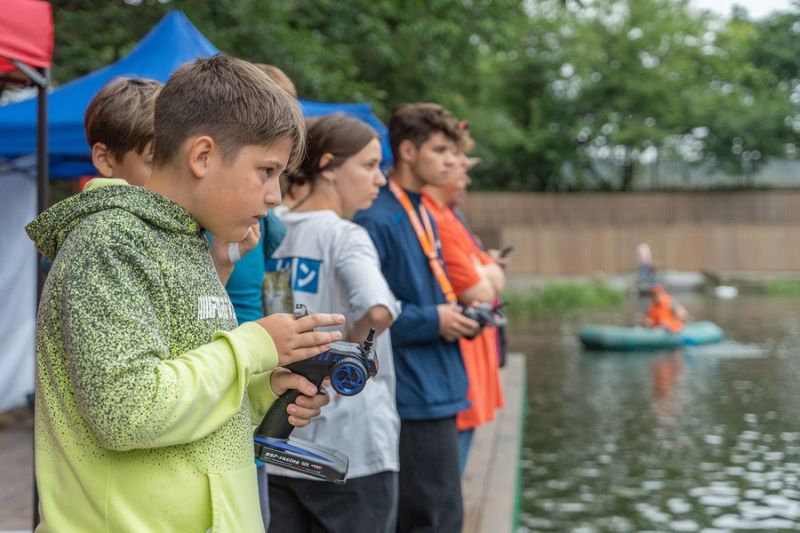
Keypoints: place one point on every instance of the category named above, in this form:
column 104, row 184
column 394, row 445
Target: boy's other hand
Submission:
column 295, row 338
column 307, row 405
column 452, row 324
column 220, row 250
column 250, row 241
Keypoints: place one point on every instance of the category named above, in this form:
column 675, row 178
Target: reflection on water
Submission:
column 706, row 439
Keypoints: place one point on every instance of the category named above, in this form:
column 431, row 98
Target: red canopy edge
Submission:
column 26, row 34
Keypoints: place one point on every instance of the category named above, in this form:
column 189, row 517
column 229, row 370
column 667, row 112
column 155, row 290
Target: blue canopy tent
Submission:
column 171, row 43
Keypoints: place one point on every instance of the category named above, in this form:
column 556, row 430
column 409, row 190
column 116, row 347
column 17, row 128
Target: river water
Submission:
column 702, row 439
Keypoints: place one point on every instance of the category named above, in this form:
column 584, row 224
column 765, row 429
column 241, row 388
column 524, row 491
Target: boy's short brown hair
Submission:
column 418, row 122
column 121, row 115
column 279, row 77
column 230, row 100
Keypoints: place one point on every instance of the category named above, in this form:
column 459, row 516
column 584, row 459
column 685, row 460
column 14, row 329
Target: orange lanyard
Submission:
column 425, row 237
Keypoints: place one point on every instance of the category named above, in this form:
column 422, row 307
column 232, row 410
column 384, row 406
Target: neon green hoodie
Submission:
column 145, row 394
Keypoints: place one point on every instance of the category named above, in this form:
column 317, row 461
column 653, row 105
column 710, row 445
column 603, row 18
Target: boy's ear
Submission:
column 407, row 150
column 201, row 150
column 103, row 160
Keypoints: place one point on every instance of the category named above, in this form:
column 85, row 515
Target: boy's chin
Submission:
column 231, row 234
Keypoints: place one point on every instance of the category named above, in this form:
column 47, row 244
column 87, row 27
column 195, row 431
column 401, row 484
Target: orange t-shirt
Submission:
column 481, row 357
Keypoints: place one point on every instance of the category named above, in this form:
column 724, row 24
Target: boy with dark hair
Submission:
column 431, row 382
column 147, row 391
column 119, row 128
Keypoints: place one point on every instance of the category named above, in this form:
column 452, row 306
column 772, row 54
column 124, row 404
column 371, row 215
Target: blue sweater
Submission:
column 431, row 381
column 245, row 284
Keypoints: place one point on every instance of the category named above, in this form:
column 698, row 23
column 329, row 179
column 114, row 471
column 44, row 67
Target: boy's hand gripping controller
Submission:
column 349, row 366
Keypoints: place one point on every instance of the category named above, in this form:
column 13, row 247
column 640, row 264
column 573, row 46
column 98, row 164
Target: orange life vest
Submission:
column 662, row 314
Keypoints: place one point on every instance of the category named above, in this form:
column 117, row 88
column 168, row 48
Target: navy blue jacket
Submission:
column 431, row 381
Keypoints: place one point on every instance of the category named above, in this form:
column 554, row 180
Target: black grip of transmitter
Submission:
column 275, row 423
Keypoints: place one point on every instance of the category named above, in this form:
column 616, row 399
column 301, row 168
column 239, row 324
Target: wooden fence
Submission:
column 580, row 234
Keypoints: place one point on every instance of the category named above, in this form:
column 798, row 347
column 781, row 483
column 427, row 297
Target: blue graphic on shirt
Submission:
column 306, row 275
column 277, row 265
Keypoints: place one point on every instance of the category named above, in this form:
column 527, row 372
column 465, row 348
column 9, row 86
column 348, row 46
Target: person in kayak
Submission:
column 664, row 311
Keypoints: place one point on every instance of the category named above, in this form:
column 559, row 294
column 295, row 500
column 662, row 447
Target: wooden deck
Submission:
column 491, row 484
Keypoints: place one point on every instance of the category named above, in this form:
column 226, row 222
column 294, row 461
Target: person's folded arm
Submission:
column 496, row 276
column 466, row 273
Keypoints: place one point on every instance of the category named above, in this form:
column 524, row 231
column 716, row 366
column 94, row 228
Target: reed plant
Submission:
column 562, row 297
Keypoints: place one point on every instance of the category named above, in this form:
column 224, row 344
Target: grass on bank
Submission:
column 786, row 287
column 563, row 297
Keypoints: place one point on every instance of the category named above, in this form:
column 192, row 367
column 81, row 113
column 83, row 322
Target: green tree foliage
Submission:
column 91, row 34
column 602, row 84
column 748, row 97
column 559, row 94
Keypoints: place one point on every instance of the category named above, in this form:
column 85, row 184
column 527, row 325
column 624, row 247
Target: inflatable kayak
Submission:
column 640, row 338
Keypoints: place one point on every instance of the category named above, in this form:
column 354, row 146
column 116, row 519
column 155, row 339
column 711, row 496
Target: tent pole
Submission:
column 42, row 199
column 42, row 162
column 37, row 75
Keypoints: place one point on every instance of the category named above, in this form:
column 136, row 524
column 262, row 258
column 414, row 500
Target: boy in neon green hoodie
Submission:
column 146, row 390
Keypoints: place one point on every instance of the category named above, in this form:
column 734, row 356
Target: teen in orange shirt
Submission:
column 475, row 277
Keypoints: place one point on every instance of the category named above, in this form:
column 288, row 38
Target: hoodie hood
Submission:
column 50, row 229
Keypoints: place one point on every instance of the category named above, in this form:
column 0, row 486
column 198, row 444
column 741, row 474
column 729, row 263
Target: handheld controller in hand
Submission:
column 349, row 365
column 485, row 315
